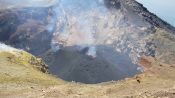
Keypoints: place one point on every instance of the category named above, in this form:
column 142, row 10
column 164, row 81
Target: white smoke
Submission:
column 75, row 25
column 92, row 52
column 83, row 23
column 11, row 4
column 55, row 46
column 6, row 48
column 89, row 23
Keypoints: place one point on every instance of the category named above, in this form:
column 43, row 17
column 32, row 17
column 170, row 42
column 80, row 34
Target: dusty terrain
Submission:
column 21, row 79
column 116, row 42
column 92, row 43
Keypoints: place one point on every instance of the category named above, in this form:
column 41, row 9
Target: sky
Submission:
column 165, row 9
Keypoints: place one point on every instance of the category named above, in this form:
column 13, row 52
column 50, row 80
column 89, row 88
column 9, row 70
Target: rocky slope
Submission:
column 88, row 41
column 19, row 78
column 20, row 71
column 125, row 28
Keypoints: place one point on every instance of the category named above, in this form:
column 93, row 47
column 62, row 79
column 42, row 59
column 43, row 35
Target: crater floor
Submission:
column 72, row 65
